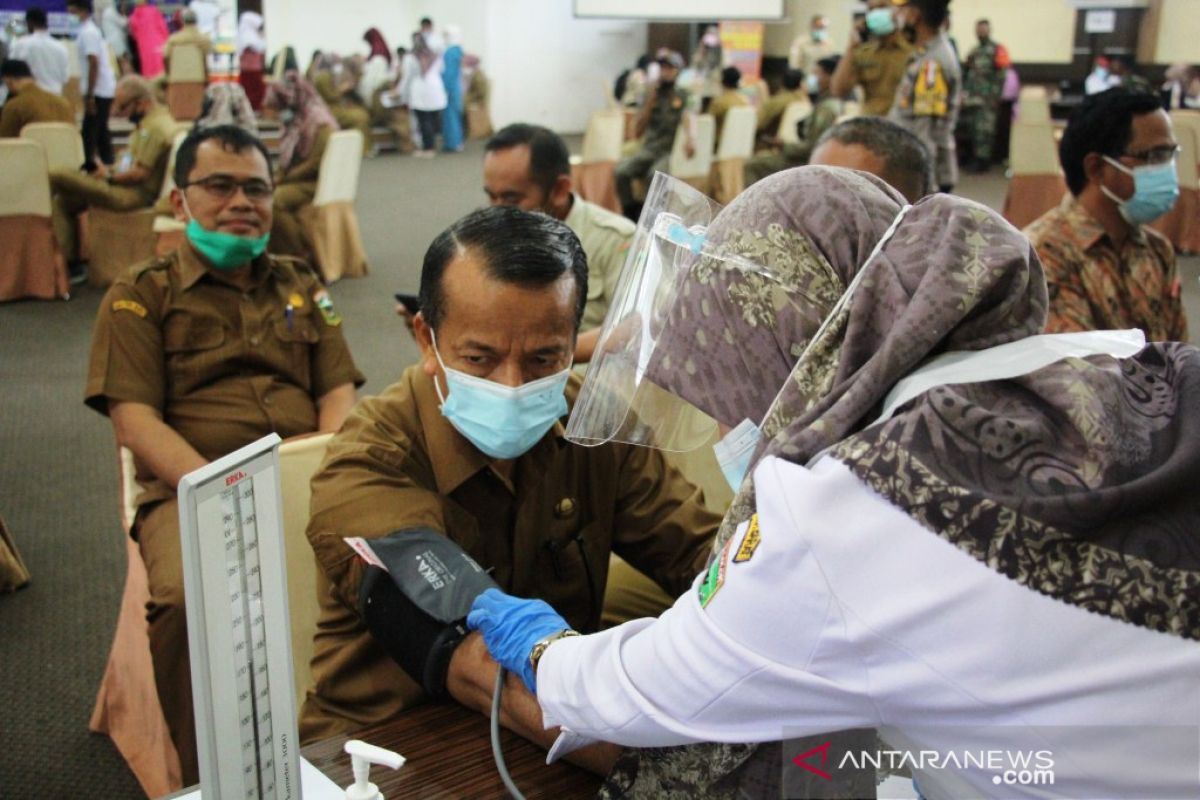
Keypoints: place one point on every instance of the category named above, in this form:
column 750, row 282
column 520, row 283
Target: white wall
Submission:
column 545, row 65
column 549, row 68
column 338, row 26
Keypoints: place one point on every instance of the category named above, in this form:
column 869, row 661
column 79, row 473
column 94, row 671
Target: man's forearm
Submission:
column 333, row 406
column 471, row 681
column 153, row 442
column 93, row 68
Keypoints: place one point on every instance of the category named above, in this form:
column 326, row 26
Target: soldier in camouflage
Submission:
column 983, row 83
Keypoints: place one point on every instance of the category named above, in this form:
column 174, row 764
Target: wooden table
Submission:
column 449, row 755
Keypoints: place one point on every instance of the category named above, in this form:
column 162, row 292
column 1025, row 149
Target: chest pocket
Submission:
column 192, row 333
column 572, row 568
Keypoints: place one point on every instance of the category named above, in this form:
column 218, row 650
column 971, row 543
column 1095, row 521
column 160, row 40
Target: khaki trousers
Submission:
column 72, row 193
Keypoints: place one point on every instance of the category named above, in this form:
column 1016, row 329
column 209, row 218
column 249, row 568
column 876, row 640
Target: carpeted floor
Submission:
column 58, row 474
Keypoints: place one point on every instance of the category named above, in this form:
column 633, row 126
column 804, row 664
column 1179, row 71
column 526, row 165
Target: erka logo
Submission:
column 801, row 761
column 230, row 480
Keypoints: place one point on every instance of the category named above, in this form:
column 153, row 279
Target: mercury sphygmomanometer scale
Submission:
column 239, row 631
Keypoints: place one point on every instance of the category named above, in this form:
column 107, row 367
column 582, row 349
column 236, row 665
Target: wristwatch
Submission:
column 535, row 655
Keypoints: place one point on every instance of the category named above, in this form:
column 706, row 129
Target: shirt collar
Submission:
column 455, row 460
column 192, row 267
column 1085, row 230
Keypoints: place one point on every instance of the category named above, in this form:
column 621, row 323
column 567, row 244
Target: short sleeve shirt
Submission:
column 91, row 43
column 397, row 463
column 150, row 148
column 606, row 238
column 223, row 366
column 879, row 65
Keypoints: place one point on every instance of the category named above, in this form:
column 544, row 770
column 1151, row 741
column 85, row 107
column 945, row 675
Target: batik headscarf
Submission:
column 1077, row 480
column 226, row 104
column 309, row 116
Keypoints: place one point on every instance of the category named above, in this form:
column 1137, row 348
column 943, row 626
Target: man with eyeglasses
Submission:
column 1105, row 268
column 201, row 352
column 136, row 179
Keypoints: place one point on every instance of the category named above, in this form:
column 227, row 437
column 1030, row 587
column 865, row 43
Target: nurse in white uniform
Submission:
column 979, row 540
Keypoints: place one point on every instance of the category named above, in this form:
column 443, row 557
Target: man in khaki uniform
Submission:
column 28, row 102
column 138, row 178
column 730, row 97
column 204, row 351
column 876, row 65
column 771, row 112
column 528, row 166
column 189, row 34
column 502, row 295
column 807, row 49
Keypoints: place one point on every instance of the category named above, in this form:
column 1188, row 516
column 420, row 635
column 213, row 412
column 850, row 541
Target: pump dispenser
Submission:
column 362, row 756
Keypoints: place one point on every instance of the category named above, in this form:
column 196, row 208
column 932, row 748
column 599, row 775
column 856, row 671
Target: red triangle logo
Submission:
column 801, row 760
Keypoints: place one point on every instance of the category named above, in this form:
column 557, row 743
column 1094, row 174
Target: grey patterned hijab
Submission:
column 1078, row 480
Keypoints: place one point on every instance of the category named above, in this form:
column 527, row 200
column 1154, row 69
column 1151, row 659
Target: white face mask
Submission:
column 735, row 450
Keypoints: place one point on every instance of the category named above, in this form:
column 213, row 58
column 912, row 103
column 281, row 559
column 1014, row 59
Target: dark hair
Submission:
column 829, row 64
column 426, row 21
column 731, row 77
column 1102, row 124
column 35, row 18
column 983, row 21
column 548, row 155
column 907, row 160
column 86, row 5
column 15, row 68
column 793, row 78
column 232, row 139
column 933, row 12
column 524, row 248
column 644, row 61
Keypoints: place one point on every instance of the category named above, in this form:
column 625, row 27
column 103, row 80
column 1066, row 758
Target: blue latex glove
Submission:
column 511, row 627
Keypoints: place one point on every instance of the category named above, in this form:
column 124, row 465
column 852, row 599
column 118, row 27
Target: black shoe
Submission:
column 76, row 273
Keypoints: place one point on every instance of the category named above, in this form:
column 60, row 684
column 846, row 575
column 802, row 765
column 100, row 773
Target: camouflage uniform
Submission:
column 983, row 83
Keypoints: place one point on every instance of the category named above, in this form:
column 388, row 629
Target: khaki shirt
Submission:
column 805, row 52
column 879, row 67
column 771, row 113
column 224, row 367
column 33, row 104
column 189, row 34
column 720, row 105
column 1095, row 286
column 606, row 238
column 150, row 147
column 397, row 463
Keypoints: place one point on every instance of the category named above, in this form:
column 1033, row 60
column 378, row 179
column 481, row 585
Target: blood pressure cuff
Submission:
column 417, row 608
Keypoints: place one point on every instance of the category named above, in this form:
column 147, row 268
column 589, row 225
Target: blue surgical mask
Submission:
column 501, row 421
column 813, row 84
column 1155, row 190
column 735, row 450
column 820, row 35
column 880, row 21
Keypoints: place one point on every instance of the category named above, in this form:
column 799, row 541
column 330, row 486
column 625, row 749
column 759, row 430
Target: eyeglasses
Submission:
column 1155, row 155
column 222, row 187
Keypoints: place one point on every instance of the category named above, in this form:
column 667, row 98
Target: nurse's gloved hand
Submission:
column 511, row 627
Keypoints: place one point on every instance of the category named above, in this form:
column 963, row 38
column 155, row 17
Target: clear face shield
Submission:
column 649, row 382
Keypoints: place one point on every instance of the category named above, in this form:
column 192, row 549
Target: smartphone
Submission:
column 410, row 302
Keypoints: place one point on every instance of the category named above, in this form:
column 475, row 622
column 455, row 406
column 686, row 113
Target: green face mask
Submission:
column 224, row 251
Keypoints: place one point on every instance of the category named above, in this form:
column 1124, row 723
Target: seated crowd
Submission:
column 913, row 540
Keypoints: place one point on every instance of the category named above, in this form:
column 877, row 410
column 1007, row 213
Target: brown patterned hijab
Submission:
column 1078, row 480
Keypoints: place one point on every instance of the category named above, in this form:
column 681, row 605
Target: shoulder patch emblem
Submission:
column 129, row 305
column 750, row 542
column 325, row 306
column 715, row 578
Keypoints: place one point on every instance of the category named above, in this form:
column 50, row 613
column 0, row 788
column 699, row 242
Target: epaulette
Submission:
column 136, row 272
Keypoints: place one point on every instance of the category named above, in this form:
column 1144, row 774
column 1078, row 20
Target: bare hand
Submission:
column 689, row 149
column 102, row 170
